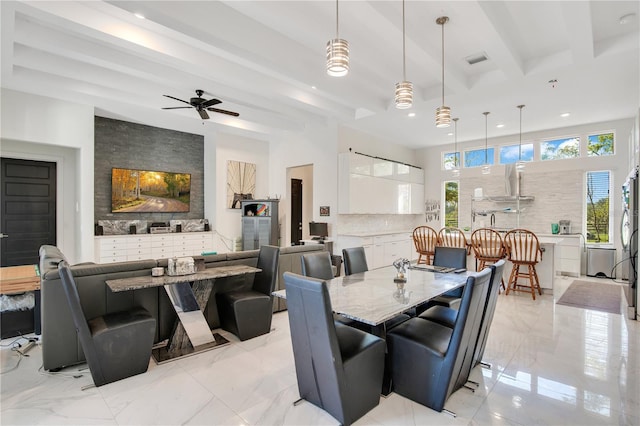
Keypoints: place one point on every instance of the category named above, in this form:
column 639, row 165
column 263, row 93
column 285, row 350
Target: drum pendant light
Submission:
column 404, row 89
column 443, row 113
column 520, row 163
column 486, row 169
column 337, row 54
column 456, row 167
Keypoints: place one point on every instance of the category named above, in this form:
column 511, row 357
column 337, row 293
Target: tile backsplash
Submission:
column 361, row 223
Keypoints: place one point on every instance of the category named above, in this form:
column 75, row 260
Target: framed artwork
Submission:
column 324, row 211
column 241, row 182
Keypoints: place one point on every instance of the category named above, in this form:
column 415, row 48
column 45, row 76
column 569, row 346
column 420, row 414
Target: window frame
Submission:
column 533, row 152
column 561, row 138
column 491, row 158
column 610, row 224
column 444, row 203
column 598, row 133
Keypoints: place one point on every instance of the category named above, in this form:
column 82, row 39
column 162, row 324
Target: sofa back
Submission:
column 60, row 345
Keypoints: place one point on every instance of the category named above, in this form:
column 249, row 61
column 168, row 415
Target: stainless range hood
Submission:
column 512, row 180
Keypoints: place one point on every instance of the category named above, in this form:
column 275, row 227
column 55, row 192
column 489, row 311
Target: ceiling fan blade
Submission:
column 178, row 107
column 211, row 102
column 224, row 111
column 203, row 114
column 172, row 97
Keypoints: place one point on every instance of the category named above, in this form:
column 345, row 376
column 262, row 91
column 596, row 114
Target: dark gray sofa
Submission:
column 60, row 345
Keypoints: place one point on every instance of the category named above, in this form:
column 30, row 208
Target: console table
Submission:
column 192, row 333
column 19, row 279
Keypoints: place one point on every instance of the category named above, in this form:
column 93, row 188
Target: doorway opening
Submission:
column 300, row 196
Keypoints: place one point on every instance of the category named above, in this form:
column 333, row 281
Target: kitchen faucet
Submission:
column 493, row 220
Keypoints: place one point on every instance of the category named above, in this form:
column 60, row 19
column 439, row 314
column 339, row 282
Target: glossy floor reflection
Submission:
column 551, row 365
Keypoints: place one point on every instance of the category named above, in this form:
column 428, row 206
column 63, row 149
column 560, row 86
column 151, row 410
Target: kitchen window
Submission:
column 597, row 206
column 451, row 195
column 476, row 157
column 560, row 148
column 511, row 153
column 598, row 145
column 449, row 160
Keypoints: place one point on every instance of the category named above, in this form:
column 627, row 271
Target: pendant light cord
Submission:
column 486, row 114
column 442, row 25
column 337, row 30
column 404, row 57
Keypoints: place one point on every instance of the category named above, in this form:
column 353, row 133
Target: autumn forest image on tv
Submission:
column 149, row 191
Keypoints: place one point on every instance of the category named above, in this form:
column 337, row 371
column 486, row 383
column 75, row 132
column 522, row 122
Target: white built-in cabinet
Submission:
column 368, row 185
column 381, row 250
column 120, row 248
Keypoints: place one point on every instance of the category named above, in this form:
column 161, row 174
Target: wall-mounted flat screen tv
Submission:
column 144, row 191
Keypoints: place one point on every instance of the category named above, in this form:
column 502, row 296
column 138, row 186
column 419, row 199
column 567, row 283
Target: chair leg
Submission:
column 534, row 272
column 532, row 281
column 513, row 278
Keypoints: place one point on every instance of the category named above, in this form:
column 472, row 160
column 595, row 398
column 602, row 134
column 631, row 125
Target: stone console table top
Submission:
column 135, row 283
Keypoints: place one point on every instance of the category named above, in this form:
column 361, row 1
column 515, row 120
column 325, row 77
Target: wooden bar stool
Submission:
column 452, row 237
column 523, row 249
column 425, row 239
column 488, row 248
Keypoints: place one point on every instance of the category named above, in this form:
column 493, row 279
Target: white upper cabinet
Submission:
column 375, row 186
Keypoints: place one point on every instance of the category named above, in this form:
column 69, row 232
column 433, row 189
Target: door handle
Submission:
column 3, row 235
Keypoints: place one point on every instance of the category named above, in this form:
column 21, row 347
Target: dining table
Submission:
column 376, row 296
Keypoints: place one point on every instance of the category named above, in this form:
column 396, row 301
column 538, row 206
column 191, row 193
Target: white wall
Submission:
column 317, row 145
column 375, row 146
column 220, row 148
column 27, row 123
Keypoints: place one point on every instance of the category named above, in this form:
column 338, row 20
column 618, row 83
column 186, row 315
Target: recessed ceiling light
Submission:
column 314, row 87
column 412, row 114
column 450, row 134
column 625, row 19
column 499, row 126
column 565, row 114
column 139, row 15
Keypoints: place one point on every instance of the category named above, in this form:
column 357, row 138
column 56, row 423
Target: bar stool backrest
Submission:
column 522, row 245
column 487, row 244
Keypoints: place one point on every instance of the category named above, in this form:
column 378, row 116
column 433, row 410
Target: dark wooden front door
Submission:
column 28, row 215
column 296, row 211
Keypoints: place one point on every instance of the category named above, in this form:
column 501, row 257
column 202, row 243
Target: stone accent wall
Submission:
column 128, row 145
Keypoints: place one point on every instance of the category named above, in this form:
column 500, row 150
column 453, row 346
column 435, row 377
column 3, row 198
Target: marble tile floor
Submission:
column 551, row 365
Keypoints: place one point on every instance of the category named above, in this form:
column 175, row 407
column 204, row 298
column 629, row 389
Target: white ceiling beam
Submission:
column 503, row 51
column 577, row 17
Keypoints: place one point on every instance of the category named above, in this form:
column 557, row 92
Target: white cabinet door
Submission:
column 417, row 198
column 378, row 256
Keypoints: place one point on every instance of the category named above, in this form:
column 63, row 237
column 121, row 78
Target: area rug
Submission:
column 592, row 295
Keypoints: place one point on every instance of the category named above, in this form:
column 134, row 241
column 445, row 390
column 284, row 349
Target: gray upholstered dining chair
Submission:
column 450, row 257
column 426, row 357
column 317, row 265
column 355, row 260
column 116, row 345
column 339, row 368
column 489, row 310
column 248, row 313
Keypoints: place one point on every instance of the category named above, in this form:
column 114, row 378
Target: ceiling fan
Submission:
column 202, row 105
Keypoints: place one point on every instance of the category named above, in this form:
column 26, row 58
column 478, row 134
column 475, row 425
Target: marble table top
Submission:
column 373, row 297
column 145, row 281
